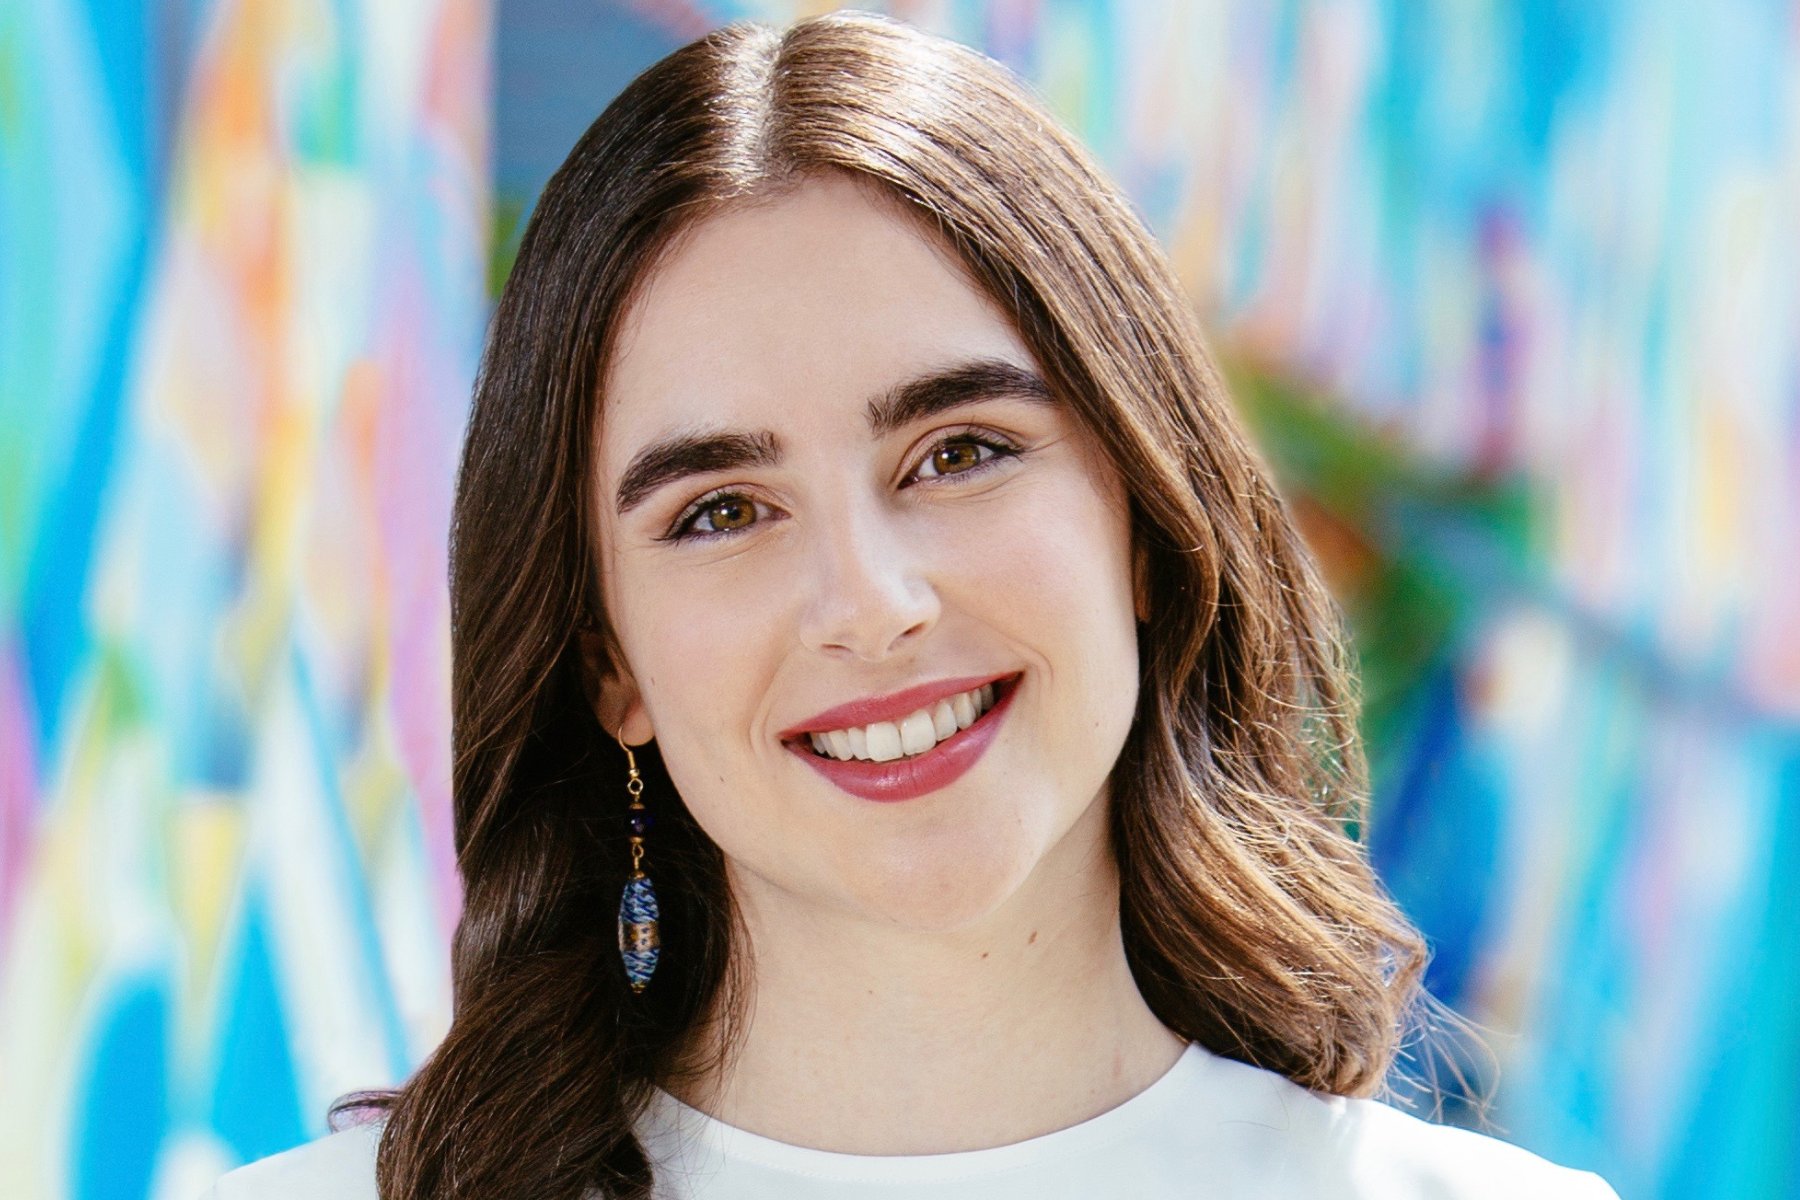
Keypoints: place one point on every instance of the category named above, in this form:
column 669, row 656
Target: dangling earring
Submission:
column 639, row 945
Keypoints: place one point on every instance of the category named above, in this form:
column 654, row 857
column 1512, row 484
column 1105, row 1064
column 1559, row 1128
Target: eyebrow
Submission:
column 697, row 452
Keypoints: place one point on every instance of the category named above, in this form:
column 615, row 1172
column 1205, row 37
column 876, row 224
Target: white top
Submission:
column 1211, row 1127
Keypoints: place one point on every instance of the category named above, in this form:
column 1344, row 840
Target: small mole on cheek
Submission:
column 984, row 954
column 1032, row 938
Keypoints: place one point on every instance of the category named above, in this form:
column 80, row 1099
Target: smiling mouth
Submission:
column 889, row 736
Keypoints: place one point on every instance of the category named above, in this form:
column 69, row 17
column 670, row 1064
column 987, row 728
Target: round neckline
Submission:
column 1083, row 1137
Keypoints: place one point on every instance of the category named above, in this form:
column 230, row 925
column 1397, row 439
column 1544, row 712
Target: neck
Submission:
column 927, row 1042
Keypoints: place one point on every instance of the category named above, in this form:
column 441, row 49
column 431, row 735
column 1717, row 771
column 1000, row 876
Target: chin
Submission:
column 938, row 895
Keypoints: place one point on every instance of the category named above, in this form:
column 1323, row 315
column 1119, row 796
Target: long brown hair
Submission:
column 1251, row 918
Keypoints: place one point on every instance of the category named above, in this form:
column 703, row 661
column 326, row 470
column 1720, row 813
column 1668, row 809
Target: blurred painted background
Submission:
column 1509, row 288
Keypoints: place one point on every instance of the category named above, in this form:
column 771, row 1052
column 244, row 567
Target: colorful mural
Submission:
column 243, row 294
column 1508, row 290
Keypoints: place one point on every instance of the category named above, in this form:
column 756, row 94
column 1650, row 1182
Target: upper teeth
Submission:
column 913, row 734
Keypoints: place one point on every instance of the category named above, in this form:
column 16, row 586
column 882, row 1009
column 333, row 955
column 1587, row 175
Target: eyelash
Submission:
column 681, row 531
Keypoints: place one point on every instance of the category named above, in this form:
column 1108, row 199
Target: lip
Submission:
column 938, row 767
column 891, row 707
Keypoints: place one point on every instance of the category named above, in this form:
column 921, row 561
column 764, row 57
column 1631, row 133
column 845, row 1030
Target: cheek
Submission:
column 1052, row 555
column 703, row 652
column 695, row 636
column 1053, row 571
column 677, row 647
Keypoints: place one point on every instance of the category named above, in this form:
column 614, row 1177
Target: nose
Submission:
column 871, row 595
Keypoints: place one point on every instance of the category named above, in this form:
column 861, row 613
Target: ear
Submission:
column 611, row 691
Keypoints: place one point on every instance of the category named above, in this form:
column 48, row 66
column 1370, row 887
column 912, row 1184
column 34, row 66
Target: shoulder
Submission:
column 1352, row 1147
column 340, row 1165
column 1398, row 1153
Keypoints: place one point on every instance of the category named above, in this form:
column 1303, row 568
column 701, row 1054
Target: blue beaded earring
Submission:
column 639, row 945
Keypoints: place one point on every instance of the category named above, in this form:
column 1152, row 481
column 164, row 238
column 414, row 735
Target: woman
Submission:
column 848, row 491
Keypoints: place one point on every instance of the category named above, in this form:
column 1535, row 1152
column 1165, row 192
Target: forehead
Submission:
column 820, row 296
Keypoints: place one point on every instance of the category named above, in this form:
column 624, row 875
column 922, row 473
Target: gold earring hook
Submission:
column 635, row 784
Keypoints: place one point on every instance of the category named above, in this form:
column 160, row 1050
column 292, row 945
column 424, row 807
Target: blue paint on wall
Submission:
column 121, row 1111
column 256, row 1102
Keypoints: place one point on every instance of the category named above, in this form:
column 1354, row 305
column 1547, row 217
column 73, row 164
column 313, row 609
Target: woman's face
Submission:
column 814, row 558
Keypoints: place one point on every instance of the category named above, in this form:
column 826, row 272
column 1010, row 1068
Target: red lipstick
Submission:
column 906, row 778
column 891, row 707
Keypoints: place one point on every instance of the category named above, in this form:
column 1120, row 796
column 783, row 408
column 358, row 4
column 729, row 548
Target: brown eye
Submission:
column 717, row 517
column 953, row 458
column 732, row 512
column 964, row 454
